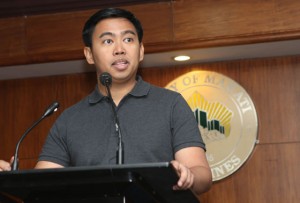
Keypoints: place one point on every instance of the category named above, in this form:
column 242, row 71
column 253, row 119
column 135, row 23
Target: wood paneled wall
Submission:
column 270, row 175
column 169, row 25
column 272, row 172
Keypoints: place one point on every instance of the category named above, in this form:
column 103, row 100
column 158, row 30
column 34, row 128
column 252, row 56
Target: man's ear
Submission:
column 141, row 52
column 88, row 55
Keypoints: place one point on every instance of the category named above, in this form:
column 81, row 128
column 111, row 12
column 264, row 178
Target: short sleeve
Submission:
column 184, row 126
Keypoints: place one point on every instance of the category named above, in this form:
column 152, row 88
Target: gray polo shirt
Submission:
column 155, row 123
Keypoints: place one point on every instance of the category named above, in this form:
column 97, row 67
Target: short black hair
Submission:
column 91, row 23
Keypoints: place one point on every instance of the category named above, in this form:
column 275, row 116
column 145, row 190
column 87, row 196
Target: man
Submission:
column 156, row 124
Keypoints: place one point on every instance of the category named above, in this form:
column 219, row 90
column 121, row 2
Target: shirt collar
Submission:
column 140, row 89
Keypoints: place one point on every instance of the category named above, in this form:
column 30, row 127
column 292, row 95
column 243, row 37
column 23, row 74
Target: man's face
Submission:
column 116, row 49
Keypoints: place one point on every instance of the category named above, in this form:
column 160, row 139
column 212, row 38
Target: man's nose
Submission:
column 119, row 50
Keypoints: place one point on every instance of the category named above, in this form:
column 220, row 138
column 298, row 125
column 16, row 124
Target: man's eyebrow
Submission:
column 112, row 34
column 105, row 34
column 128, row 32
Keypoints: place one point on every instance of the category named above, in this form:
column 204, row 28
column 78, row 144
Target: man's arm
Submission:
column 47, row 164
column 193, row 170
column 6, row 166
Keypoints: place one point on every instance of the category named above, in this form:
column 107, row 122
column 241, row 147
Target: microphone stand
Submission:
column 15, row 164
column 106, row 80
column 48, row 112
column 120, row 151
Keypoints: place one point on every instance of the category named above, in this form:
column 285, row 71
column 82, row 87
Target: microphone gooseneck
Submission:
column 106, row 80
column 53, row 107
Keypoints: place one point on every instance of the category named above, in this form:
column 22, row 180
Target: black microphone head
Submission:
column 53, row 107
column 105, row 79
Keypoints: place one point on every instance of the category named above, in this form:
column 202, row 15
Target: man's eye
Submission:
column 128, row 40
column 107, row 41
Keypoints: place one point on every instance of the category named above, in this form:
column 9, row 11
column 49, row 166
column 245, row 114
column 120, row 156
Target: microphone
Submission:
column 106, row 80
column 53, row 107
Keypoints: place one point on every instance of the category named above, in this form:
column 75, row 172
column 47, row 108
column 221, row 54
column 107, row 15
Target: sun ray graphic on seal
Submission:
column 214, row 118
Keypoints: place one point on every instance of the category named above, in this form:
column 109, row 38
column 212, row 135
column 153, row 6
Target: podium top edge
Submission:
column 91, row 168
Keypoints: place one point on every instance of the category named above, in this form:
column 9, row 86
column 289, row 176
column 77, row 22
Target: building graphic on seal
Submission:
column 213, row 118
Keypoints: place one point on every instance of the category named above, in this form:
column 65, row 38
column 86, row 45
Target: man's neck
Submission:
column 118, row 91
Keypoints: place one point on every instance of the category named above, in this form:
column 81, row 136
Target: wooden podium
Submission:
column 133, row 183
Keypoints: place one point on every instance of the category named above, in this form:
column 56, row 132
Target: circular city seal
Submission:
column 226, row 116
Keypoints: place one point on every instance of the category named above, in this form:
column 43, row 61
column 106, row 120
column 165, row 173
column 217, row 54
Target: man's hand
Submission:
column 193, row 170
column 186, row 177
column 5, row 166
